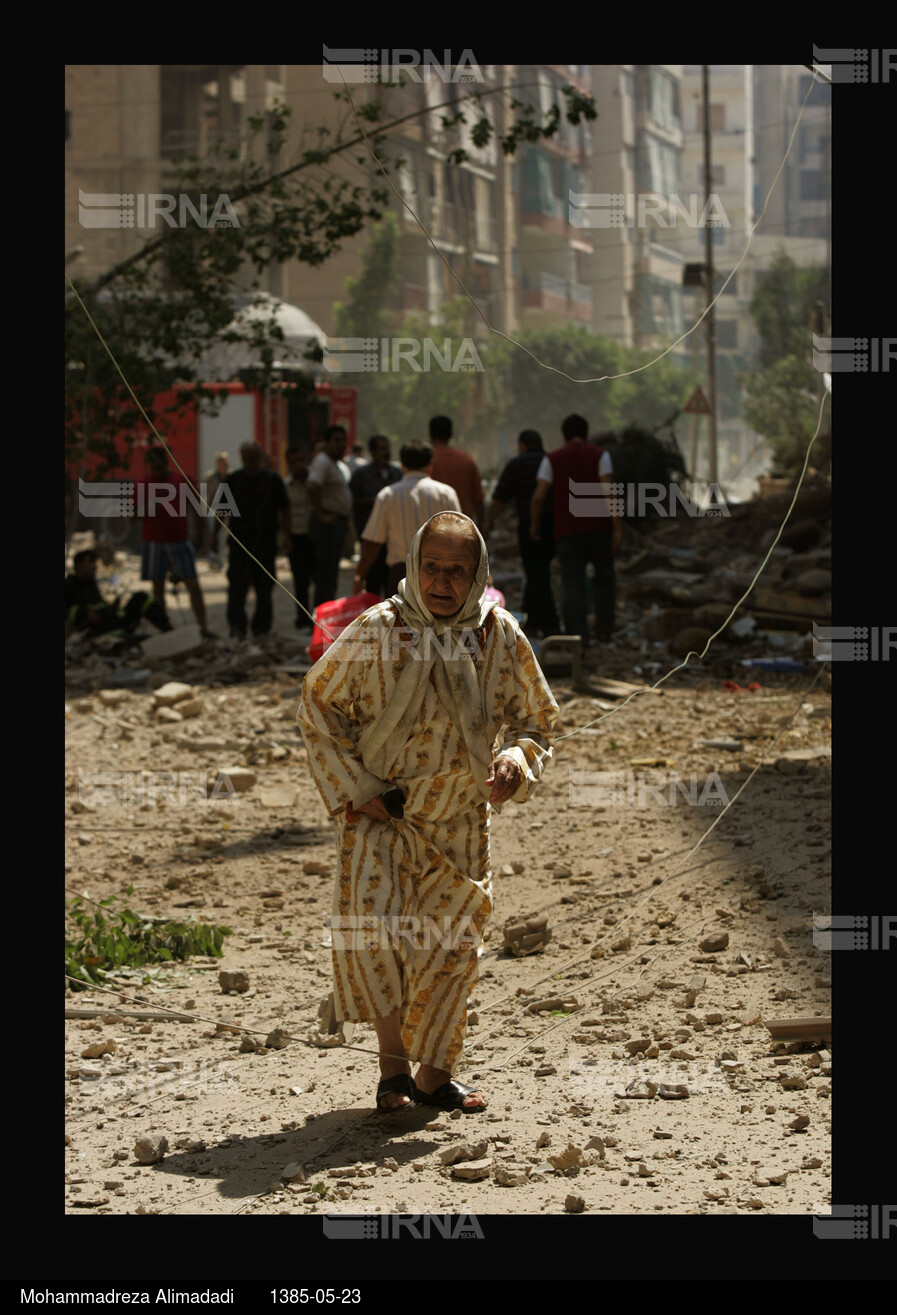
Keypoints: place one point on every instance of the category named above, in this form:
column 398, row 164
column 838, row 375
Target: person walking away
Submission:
column 398, row 513
column 585, row 528
column 166, row 549
column 456, row 468
column 260, row 509
column 517, row 484
column 366, row 482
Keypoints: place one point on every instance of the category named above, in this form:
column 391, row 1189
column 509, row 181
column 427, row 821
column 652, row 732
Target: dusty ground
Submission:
column 602, row 872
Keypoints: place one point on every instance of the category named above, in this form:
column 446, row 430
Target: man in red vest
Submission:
column 585, row 529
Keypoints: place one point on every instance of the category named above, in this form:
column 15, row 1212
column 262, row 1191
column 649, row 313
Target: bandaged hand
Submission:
column 506, row 778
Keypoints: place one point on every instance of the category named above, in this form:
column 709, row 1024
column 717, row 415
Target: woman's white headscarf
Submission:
column 442, row 645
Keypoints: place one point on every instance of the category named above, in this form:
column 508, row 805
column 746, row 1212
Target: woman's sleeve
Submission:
column 530, row 711
column 331, row 716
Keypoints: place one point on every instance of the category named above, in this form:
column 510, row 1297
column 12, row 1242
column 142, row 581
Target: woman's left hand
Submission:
column 505, row 778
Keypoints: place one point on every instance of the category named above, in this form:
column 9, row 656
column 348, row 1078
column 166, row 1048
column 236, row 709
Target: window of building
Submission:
column 202, row 106
column 663, row 100
column 813, row 185
column 727, row 334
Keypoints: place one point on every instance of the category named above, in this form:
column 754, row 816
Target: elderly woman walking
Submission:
column 426, row 713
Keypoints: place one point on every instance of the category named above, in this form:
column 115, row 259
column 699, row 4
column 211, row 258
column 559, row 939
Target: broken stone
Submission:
column 544, row 1140
column 780, row 948
column 464, row 1150
column 596, row 1144
column 713, row 944
column 472, row 1170
column 172, row 692
column 112, row 698
column 277, row 1040
column 293, row 1173
column 168, row 715
column 623, row 943
column 190, row 708
column 673, row 1091
column 574, row 1205
column 526, row 936
column 232, row 780
column 250, row 1045
column 636, row 1047
column 508, row 1179
column 641, row 1089
column 99, row 1048
column 150, row 1150
column 236, row 980
column 313, row 867
column 812, row 1163
column 545, row 1071
column 798, row 1124
column 571, row 1157
column 793, row 1083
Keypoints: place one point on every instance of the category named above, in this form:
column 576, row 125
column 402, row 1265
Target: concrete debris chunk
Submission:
column 464, row 1150
column 525, row 936
column 472, row 1170
column 673, row 1091
column 150, row 1150
column 715, row 943
column 236, row 980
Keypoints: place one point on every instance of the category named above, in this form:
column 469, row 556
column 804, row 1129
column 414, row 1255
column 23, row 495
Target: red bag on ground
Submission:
column 335, row 616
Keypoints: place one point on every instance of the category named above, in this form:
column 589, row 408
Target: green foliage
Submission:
column 98, row 942
column 539, row 399
column 782, row 394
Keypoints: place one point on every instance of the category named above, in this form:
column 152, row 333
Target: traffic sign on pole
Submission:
column 697, row 404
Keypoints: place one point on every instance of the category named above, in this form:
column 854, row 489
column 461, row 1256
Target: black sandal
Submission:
column 399, row 1084
column 450, row 1096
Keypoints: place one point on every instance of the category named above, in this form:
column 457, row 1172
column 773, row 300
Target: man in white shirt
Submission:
column 302, row 554
column 331, row 504
column 399, row 511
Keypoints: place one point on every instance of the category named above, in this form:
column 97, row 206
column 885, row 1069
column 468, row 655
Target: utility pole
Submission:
column 708, row 260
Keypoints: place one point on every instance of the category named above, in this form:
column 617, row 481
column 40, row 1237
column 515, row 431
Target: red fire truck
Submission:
column 278, row 418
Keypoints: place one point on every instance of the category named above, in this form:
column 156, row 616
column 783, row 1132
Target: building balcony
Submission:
column 549, row 292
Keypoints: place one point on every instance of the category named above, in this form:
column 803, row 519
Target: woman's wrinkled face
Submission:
column 447, row 571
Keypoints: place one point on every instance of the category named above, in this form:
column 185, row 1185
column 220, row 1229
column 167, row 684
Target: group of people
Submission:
column 332, row 499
